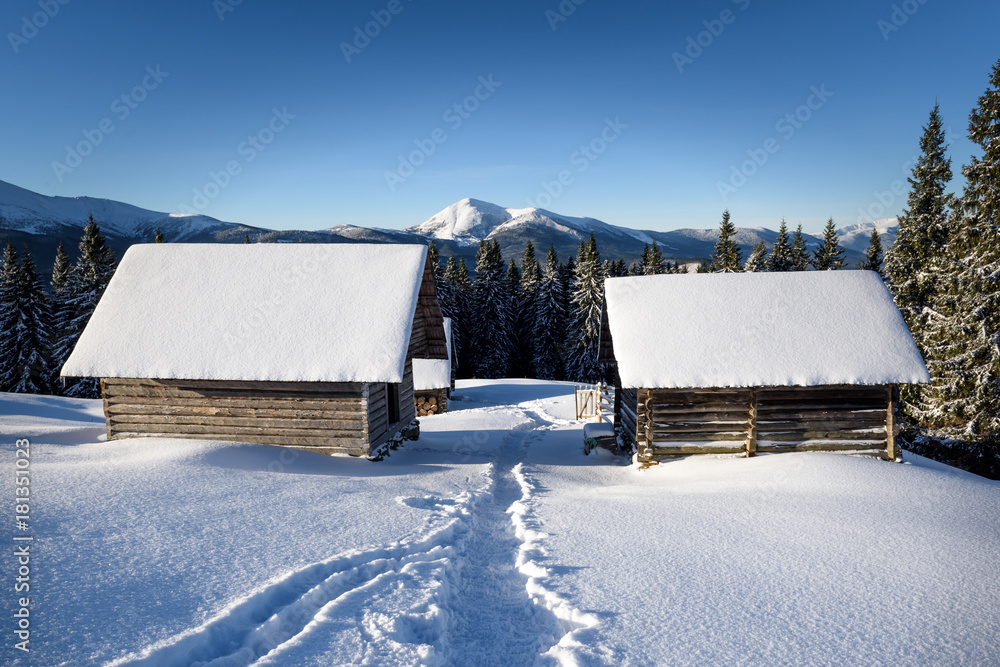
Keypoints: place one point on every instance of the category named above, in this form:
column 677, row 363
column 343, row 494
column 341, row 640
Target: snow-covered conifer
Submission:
column 781, row 258
column 588, row 300
column 873, row 254
column 491, row 325
column 829, row 256
column 90, row 277
column 757, row 261
column 550, row 321
column 800, row 253
column 727, row 256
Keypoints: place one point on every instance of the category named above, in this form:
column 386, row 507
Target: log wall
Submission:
column 318, row 416
column 672, row 422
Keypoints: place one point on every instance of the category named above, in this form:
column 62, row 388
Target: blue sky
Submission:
column 301, row 132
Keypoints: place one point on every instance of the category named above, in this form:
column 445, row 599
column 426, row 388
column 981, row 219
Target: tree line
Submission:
column 38, row 326
column 944, row 274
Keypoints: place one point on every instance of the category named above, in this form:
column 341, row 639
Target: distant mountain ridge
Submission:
column 39, row 221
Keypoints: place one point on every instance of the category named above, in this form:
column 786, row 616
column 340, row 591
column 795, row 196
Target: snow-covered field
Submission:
column 491, row 540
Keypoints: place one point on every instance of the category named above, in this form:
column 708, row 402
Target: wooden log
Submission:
column 751, row 441
column 736, row 436
column 695, row 427
column 242, row 431
column 823, row 415
column 770, row 447
column 819, row 425
column 660, row 449
column 247, row 393
column 349, row 404
column 116, row 409
column 349, row 388
column 256, row 422
column 891, row 452
column 802, row 436
column 298, row 441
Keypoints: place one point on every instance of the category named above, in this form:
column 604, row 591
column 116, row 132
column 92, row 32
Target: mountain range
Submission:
column 40, row 221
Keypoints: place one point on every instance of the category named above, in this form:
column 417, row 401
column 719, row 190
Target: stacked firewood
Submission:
column 427, row 405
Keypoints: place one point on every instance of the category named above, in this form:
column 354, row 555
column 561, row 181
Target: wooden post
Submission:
column 890, row 424
column 107, row 415
column 752, row 425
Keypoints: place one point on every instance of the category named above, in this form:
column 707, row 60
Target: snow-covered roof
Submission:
column 759, row 329
column 263, row 312
column 434, row 373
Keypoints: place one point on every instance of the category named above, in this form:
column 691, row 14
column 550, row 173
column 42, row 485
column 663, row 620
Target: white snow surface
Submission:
column 492, row 540
column 264, row 312
column 801, row 328
column 434, row 373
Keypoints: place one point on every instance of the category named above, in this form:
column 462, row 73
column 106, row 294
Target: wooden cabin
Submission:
column 757, row 362
column 300, row 345
column 432, row 381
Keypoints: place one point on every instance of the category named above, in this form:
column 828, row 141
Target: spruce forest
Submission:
column 540, row 317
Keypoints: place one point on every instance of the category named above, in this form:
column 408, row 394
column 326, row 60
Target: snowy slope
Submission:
column 857, row 237
column 32, row 213
column 469, row 221
column 493, row 540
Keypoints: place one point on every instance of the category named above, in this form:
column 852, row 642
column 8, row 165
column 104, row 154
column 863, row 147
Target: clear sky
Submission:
column 667, row 123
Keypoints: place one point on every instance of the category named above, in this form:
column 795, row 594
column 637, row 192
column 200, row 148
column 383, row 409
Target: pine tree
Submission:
column 829, row 256
column 61, row 307
column 781, row 258
column 588, row 301
column 454, row 304
column 963, row 332
column 757, row 261
column 246, row 238
column 32, row 364
column 520, row 361
column 524, row 318
column 492, row 313
column 873, row 255
column 158, row 238
column 652, row 262
column 922, row 233
column 800, row 253
column 550, row 321
column 9, row 273
column 90, row 277
column 727, row 256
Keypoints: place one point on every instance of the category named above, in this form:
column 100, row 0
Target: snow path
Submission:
column 466, row 589
column 496, row 622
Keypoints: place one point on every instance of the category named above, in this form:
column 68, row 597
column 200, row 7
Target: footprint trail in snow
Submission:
column 467, row 589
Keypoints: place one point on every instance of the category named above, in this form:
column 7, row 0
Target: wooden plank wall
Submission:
column 377, row 409
column 821, row 418
column 672, row 422
column 694, row 421
column 428, row 310
column 319, row 416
